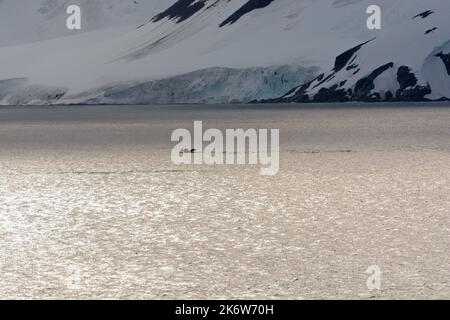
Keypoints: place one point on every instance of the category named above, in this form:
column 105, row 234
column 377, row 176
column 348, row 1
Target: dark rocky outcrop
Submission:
column 446, row 59
column 343, row 59
column 323, row 80
column 406, row 78
column 325, row 88
column 424, row 14
column 409, row 90
column 417, row 93
column 181, row 10
column 365, row 85
column 389, row 96
column 431, row 30
column 246, row 8
column 332, row 94
column 300, row 92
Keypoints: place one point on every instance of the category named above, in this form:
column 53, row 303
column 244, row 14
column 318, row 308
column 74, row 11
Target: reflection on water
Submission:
column 93, row 208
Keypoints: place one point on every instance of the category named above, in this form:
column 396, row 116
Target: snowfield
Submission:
column 220, row 51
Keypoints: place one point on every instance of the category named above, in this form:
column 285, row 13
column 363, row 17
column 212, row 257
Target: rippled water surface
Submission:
column 91, row 205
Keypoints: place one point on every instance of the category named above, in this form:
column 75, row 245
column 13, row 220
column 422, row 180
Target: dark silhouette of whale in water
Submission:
column 188, row 151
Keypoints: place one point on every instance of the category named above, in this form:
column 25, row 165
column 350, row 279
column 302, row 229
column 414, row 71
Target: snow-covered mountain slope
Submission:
column 218, row 51
column 408, row 62
column 24, row 21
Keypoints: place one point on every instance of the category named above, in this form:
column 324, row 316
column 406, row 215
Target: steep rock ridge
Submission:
column 364, row 86
column 436, row 72
column 181, row 10
column 446, row 59
column 424, row 14
column 357, row 76
column 365, row 89
column 343, row 59
column 246, row 8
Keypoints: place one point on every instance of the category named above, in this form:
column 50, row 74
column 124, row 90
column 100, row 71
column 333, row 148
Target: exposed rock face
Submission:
column 406, row 78
column 246, row 8
column 364, row 87
column 343, row 59
column 184, row 9
column 368, row 72
column 431, row 30
column 332, row 94
column 446, row 59
column 424, row 14
column 409, row 90
column 417, row 93
column 388, row 82
column 181, row 10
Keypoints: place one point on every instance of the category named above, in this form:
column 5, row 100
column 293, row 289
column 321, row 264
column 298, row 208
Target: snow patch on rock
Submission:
column 435, row 72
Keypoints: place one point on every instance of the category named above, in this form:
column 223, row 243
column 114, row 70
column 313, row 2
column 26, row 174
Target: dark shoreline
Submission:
column 240, row 106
